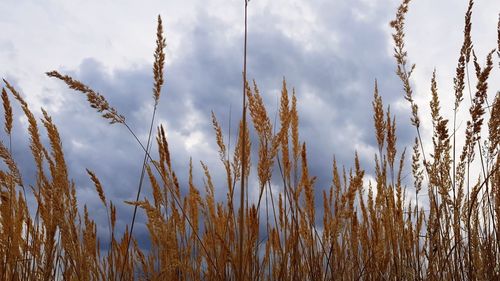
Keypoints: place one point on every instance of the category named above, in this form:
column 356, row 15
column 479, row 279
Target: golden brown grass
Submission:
column 371, row 230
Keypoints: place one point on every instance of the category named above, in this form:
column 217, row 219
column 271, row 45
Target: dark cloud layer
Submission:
column 334, row 86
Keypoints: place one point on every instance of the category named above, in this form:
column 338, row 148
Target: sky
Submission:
column 330, row 51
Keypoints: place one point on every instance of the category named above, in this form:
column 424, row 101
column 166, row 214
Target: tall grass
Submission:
column 369, row 230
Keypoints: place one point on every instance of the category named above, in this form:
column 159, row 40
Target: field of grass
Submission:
column 369, row 230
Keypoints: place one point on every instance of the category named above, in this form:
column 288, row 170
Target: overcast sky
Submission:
column 330, row 51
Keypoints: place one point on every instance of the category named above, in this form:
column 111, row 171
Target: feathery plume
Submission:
column 7, row 112
column 95, row 99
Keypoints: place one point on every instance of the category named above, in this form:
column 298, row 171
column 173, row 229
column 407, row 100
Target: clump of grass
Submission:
column 370, row 230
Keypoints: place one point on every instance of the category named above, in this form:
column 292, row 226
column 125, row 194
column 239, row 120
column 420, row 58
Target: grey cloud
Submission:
column 207, row 75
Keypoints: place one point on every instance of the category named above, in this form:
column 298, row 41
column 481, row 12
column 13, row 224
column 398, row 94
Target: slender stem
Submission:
column 141, row 180
column 176, row 201
column 243, row 155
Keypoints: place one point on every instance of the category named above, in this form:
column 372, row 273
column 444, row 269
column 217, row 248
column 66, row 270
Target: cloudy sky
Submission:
column 330, row 51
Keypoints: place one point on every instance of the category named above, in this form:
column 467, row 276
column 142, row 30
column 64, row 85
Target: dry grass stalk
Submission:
column 95, row 99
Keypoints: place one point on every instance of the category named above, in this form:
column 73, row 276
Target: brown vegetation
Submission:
column 369, row 231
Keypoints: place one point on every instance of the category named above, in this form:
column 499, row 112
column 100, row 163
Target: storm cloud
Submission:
column 330, row 52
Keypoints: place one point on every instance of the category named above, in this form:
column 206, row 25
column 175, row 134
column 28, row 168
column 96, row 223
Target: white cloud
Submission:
column 330, row 51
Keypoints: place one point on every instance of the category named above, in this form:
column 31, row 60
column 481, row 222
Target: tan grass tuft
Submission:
column 98, row 186
column 95, row 99
column 7, row 112
column 159, row 61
